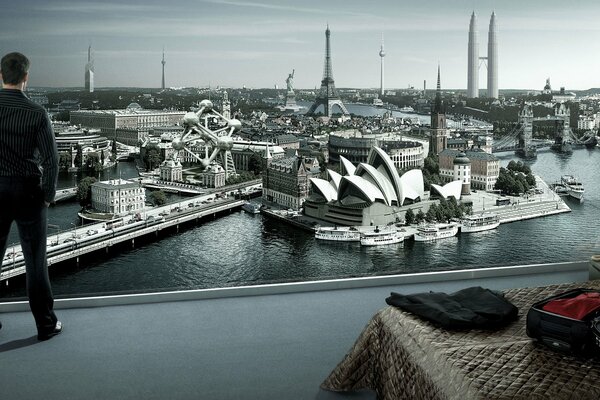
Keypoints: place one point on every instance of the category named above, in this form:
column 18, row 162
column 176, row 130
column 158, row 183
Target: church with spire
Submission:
column 439, row 128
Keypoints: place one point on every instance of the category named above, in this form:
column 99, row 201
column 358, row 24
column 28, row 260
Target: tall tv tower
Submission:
column 382, row 54
column 492, row 59
column 163, row 62
column 473, row 59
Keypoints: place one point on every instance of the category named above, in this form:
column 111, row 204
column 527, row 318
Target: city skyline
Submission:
column 255, row 44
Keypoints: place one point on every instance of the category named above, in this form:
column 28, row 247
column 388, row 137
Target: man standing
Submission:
column 28, row 176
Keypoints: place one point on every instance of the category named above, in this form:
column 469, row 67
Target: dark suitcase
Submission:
column 564, row 334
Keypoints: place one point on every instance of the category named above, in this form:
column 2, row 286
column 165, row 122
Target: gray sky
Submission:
column 257, row 43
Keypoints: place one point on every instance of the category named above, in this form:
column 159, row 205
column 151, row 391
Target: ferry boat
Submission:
column 431, row 232
column 574, row 187
column 407, row 109
column 380, row 237
column 251, row 208
column 338, row 234
column 479, row 222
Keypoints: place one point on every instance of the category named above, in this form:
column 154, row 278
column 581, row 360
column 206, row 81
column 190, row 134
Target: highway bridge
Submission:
column 73, row 243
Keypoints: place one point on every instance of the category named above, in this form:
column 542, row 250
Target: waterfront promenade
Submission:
column 521, row 207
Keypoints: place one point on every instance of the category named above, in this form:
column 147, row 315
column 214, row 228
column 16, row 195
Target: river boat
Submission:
column 431, row 232
column 251, row 208
column 338, row 234
column 379, row 237
column 573, row 186
column 407, row 109
column 479, row 222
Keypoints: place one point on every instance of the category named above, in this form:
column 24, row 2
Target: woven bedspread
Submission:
column 403, row 357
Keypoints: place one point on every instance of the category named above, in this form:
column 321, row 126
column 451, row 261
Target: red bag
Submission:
column 575, row 307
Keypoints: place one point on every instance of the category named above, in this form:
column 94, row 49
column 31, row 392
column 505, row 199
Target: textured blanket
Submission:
column 400, row 356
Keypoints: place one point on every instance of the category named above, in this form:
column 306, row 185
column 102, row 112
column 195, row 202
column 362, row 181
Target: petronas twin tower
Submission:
column 491, row 59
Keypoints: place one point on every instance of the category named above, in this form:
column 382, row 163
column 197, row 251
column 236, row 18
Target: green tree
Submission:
column 113, row 151
column 84, row 191
column 93, row 162
column 255, row 164
column 78, row 157
column 430, row 214
column 322, row 163
column 409, row 217
column 152, row 157
column 158, row 198
column 420, row 217
column 64, row 159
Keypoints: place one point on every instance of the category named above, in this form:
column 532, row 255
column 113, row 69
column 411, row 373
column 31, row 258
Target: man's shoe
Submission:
column 47, row 335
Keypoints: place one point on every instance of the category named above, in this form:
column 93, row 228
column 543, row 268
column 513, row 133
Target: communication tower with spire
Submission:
column 163, row 62
column 327, row 96
column 382, row 54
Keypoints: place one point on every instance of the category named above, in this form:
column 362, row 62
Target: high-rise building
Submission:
column 89, row 72
column 473, row 59
column 382, row 54
column 492, row 59
column 327, row 96
column 163, row 62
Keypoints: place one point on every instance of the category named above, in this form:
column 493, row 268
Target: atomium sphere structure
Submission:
column 219, row 141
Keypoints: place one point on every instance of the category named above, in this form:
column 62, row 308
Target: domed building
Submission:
column 462, row 172
column 483, row 168
column 213, row 176
column 171, row 171
column 372, row 193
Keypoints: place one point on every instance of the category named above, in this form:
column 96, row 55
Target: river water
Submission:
column 240, row 248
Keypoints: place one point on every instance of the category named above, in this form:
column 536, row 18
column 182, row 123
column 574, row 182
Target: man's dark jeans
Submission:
column 22, row 201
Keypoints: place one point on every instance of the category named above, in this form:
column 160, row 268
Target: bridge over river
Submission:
column 73, row 243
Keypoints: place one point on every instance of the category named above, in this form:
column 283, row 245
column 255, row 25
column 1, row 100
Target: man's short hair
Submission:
column 14, row 67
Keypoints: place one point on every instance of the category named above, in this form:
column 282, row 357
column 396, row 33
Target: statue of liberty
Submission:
column 290, row 82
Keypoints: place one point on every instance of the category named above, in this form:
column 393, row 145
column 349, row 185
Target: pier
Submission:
column 73, row 243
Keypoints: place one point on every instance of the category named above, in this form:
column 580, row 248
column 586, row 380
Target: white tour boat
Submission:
column 380, row 237
column 338, row 233
column 479, row 222
column 574, row 186
column 430, row 232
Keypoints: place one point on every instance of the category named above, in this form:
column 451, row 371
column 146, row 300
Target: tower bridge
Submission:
column 521, row 140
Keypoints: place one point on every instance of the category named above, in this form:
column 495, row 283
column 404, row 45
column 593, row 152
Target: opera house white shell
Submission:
column 451, row 189
column 371, row 182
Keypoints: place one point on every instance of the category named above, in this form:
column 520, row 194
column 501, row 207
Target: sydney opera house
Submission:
column 372, row 193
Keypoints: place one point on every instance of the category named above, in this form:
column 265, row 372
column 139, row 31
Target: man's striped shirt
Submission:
column 27, row 144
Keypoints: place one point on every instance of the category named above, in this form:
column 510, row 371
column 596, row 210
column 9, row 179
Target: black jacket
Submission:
column 473, row 307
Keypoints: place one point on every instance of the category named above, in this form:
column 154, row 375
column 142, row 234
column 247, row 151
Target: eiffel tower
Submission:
column 327, row 96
